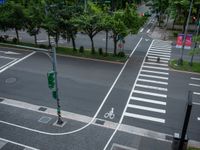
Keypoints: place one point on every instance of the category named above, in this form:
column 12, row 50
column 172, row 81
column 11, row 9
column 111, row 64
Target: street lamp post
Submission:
column 54, row 64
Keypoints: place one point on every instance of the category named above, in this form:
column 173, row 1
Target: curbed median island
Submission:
column 195, row 67
column 192, row 148
column 82, row 53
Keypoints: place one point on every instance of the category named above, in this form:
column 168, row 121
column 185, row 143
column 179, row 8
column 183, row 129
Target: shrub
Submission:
column 81, row 50
column 14, row 40
column 100, row 51
column 43, row 46
column 121, row 54
column 2, row 39
column 175, row 33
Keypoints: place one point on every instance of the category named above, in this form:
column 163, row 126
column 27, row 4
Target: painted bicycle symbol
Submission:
column 110, row 114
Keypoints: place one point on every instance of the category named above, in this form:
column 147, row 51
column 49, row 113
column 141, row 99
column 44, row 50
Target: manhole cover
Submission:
column 44, row 119
column 11, row 80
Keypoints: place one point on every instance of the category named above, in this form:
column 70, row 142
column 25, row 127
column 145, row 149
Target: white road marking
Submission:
column 162, row 53
column 153, row 54
column 198, row 118
column 41, row 41
column 8, row 63
column 152, row 76
column 9, row 52
column 153, row 81
column 157, row 64
column 197, row 85
column 151, row 87
column 148, row 30
column 150, row 93
column 196, row 93
column 156, row 72
column 157, row 57
column 195, row 78
column 161, row 46
column 155, row 60
column 160, row 50
column 22, row 145
column 152, row 67
column 141, row 29
column 147, row 100
column 144, row 117
column 147, row 108
column 19, row 60
column 4, row 57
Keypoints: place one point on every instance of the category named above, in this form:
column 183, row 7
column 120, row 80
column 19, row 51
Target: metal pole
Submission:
column 186, row 121
column 106, row 42
column 180, row 61
column 85, row 5
column 54, row 63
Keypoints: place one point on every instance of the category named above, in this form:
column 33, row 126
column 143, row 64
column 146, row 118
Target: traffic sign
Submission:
column 2, row 2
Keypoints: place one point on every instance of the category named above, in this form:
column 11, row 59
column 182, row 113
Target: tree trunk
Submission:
column 115, row 45
column 73, row 43
column 92, row 44
column 49, row 40
column 191, row 60
column 106, row 42
column 185, row 23
column 17, row 34
column 35, row 38
column 174, row 22
column 56, row 40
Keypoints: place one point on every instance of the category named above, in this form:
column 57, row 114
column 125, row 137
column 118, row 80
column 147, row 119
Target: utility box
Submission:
column 176, row 141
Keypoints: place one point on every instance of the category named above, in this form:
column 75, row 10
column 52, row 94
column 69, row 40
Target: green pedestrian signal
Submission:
column 51, row 79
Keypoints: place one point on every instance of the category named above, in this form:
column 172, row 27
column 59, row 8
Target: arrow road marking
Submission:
column 9, row 52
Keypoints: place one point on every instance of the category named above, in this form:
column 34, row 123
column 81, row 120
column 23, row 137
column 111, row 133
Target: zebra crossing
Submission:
column 148, row 98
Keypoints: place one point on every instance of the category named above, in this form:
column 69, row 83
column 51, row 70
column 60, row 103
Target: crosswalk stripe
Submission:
column 196, row 93
column 157, row 72
column 144, row 117
column 157, row 57
column 198, row 118
column 153, row 81
column 147, row 108
column 151, row 87
column 157, row 64
column 160, row 50
column 162, row 53
column 153, row 76
column 195, row 78
column 159, row 68
column 197, row 85
column 148, row 100
column 150, row 93
column 161, row 61
column 153, row 54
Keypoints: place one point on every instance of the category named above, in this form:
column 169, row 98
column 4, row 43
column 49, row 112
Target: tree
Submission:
column 195, row 50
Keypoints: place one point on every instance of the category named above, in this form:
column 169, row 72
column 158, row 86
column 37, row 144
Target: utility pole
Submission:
column 180, row 61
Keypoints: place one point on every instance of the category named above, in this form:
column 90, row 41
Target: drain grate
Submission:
column 1, row 99
column 101, row 122
column 42, row 109
column 44, row 119
column 121, row 147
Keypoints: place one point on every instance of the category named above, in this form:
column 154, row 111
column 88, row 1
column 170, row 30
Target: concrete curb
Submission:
column 63, row 55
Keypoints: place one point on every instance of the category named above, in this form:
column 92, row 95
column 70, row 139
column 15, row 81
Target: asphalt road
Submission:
column 148, row 100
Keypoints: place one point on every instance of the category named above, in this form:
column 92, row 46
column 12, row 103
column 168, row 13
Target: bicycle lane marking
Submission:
column 94, row 117
column 122, row 116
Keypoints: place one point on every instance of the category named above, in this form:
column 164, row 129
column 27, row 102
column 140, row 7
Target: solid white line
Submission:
column 197, row 85
column 157, row 72
column 4, row 57
column 162, row 53
column 147, row 108
column 198, row 118
column 122, row 116
column 153, row 81
column 147, row 100
column 22, row 145
column 148, row 30
column 144, row 117
column 196, row 93
column 157, row 64
column 195, row 78
column 155, row 60
column 152, row 76
column 150, row 93
column 8, row 64
column 157, row 57
column 151, row 87
column 159, row 68
column 19, row 60
column 141, row 29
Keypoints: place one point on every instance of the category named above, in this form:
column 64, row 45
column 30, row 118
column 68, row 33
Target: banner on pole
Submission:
column 188, row 41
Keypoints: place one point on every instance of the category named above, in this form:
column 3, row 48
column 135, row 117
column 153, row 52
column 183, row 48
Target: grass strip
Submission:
column 185, row 67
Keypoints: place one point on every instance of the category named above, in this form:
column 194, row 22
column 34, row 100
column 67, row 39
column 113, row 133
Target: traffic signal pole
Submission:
column 54, row 63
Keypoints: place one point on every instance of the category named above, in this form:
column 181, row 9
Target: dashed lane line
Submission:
column 147, row 108
column 22, row 145
column 148, row 100
column 153, row 76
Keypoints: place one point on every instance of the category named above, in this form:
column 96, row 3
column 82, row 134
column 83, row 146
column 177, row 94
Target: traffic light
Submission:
column 51, row 79
column 54, row 94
